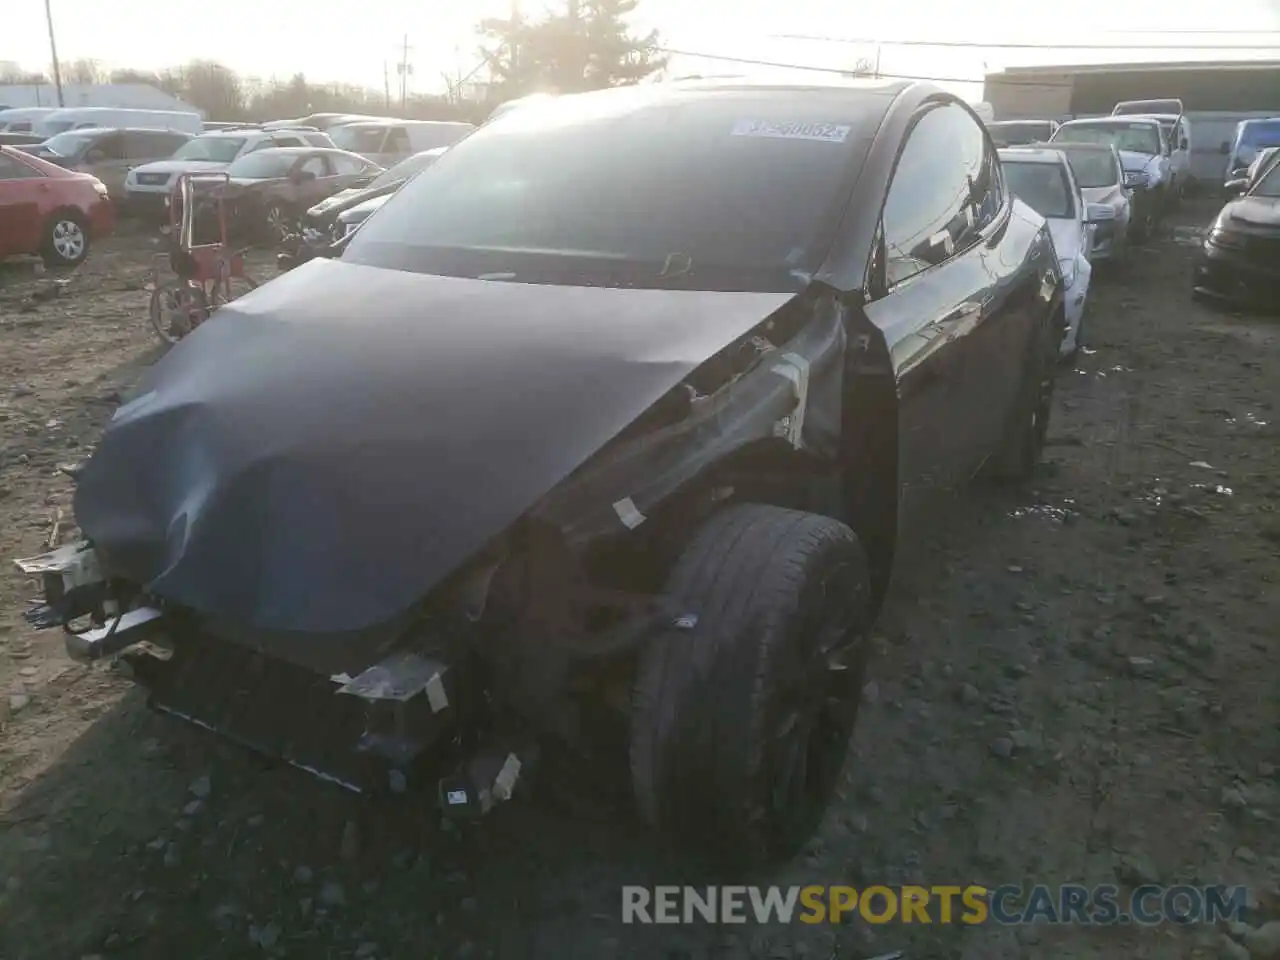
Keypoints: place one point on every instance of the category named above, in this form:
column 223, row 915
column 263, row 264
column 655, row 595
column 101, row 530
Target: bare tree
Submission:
column 83, row 71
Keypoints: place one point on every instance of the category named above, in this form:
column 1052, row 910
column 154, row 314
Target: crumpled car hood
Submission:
column 347, row 199
column 328, row 448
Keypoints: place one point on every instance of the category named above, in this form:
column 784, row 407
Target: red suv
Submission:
column 48, row 210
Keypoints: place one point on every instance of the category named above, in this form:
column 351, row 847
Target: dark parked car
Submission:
column 1240, row 258
column 20, row 139
column 270, row 189
column 594, row 446
column 329, row 221
column 109, row 153
column 50, row 211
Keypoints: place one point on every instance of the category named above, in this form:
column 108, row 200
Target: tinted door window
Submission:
column 19, row 126
column 287, row 140
column 315, row 165
column 142, row 145
column 13, row 170
column 110, row 147
column 348, row 166
column 930, row 211
column 397, row 141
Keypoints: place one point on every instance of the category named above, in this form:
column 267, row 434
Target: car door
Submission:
column 21, row 192
column 310, row 181
column 107, row 160
column 395, row 147
column 941, row 308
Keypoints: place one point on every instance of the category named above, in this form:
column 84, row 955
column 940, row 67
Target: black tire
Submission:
column 66, row 240
column 1023, row 444
column 740, row 725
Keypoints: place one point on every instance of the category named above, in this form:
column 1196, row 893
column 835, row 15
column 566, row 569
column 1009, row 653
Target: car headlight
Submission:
column 100, row 189
column 1137, row 179
column 1226, row 239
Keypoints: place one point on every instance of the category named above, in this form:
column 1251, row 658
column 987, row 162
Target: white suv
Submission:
column 148, row 186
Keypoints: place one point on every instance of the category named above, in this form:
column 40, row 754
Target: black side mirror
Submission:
column 1184, row 144
column 94, row 156
column 303, row 176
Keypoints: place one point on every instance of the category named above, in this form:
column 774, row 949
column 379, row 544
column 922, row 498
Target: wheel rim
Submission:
column 68, row 240
column 276, row 222
column 176, row 311
column 818, row 708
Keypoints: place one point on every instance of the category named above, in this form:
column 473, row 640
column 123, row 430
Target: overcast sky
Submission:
column 351, row 42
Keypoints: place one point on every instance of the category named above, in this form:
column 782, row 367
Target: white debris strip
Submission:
column 796, row 369
column 436, row 695
column 628, row 514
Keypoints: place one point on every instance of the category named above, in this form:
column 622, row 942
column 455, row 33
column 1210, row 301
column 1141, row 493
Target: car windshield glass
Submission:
column 403, row 170
column 262, row 166
column 358, row 139
column 69, row 144
column 56, row 126
column 1042, row 186
column 219, row 149
column 1269, row 185
column 1016, row 134
column 1261, row 134
column 1093, row 168
column 1138, row 137
column 724, row 191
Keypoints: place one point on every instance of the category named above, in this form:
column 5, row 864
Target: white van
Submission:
column 387, row 142
column 21, row 119
column 74, row 118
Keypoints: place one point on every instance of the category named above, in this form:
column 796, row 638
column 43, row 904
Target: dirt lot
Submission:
column 1073, row 686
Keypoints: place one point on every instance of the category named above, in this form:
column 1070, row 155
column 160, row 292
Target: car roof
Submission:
column 864, row 93
column 1005, row 123
column 1031, row 154
column 180, row 133
column 296, row 151
column 1074, row 145
column 1114, row 121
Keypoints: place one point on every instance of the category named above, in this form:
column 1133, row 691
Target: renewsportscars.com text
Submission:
column 1009, row 904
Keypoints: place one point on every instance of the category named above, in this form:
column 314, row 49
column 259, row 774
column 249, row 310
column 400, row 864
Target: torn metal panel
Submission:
column 793, row 391
column 401, row 676
column 76, row 563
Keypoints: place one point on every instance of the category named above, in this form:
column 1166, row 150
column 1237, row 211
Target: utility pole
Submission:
column 53, row 49
column 404, row 69
column 386, row 86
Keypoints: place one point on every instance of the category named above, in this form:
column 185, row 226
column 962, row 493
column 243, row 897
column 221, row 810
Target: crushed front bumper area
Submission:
column 391, row 728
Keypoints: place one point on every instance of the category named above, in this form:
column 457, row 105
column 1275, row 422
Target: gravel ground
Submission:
column 1070, row 686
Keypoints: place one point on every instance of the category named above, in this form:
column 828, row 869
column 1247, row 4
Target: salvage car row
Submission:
column 139, row 166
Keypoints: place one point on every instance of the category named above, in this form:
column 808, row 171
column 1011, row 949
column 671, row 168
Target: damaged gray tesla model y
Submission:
column 596, row 442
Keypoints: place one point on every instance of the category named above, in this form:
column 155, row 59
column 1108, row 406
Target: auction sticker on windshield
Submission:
column 828, row 132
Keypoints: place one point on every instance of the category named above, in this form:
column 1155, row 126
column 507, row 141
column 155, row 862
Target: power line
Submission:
column 970, row 44
column 1048, row 84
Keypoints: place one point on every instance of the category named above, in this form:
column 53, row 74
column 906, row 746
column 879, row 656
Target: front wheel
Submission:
column 741, row 720
column 66, row 241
